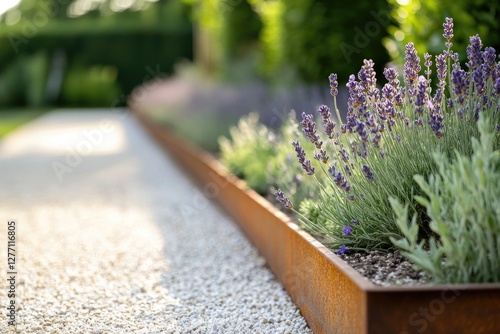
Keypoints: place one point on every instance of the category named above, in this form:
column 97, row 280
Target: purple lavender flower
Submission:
column 371, row 121
column 478, row 77
column 354, row 222
column 474, row 52
column 308, row 168
column 441, row 70
column 489, row 57
column 328, row 124
column 496, row 73
column 342, row 250
column 392, row 77
column 386, row 106
column 421, row 97
column 339, row 179
column 322, row 156
column 367, row 77
column 343, row 154
column 347, row 230
column 412, row 68
column 347, row 170
column 477, row 109
column 460, row 83
column 333, row 84
column 324, row 111
column 301, row 155
column 388, row 92
column 351, row 197
column 309, row 129
column 390, row 74
column 368, row 173
column 497, row 86
column 285, row 201
column 360, row 129
column 448, row 32
column 436, row 123
column 427, row 64
column 376, row 140
column 435, row 104
column 449, row 103
column 399, row 97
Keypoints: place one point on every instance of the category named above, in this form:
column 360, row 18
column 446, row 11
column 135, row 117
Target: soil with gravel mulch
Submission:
column 385, row 269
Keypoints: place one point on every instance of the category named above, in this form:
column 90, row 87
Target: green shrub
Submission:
column 463, row 203
column 95, row 87
column 420, row 22
column 320, row 35
column 22, row 82
column 141, row 42
column 240, row 29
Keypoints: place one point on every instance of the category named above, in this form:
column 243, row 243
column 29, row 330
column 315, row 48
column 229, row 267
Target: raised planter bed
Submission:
column 332, row 296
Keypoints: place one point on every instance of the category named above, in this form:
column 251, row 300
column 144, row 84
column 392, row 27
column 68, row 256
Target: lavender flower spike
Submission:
column 428, row 64
column 328, row 124
column 342, row 250
column 421, row 97
column 309, row 129
column 285, row 201
column 448, row 32
column 460, row 83
column 301, row 155
column 339, row 179
column 441, row 70
column 333, row 84
column 322, row 156
column 411, row 69
column 474, row 52
column 479, row 79
column 368, row 173
column 347, row 230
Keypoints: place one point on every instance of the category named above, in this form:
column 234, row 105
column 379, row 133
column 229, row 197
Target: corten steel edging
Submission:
column 332, row 296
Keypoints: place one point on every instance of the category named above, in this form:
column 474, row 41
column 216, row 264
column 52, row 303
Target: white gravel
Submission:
column 122, row 242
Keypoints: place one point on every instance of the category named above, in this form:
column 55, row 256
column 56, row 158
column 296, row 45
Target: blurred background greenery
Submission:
column 89, row 53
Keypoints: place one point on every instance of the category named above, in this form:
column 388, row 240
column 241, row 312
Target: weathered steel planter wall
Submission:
column 331, row 295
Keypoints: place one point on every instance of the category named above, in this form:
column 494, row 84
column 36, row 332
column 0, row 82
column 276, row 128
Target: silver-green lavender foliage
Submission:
column 248, row 151
column 462, row 201
column 388, row 137
column 262, row 157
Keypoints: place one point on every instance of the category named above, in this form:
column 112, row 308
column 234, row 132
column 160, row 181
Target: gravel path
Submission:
column 113, row 238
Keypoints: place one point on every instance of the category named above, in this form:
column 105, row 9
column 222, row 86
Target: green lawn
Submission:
column 13, row 118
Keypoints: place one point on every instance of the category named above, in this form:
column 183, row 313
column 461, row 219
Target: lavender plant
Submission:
column 249, row 139
column 260, row 156
column 462, row 200
column 388, row 136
